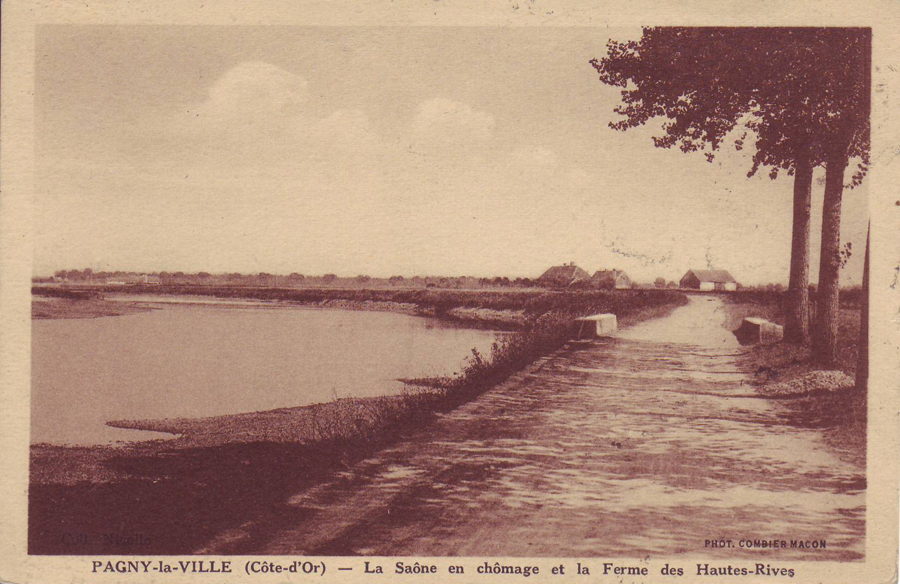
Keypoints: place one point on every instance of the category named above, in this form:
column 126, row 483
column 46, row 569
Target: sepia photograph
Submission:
column 488, row 292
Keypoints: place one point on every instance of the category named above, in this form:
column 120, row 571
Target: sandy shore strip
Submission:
column 63, row 464
column 57, row 308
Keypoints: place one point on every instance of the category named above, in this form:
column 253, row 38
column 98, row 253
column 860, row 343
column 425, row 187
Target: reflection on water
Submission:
column 187, row 361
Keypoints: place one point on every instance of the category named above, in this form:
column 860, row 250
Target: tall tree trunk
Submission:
column 827, row 296
column 796, row 326
column 862, row 363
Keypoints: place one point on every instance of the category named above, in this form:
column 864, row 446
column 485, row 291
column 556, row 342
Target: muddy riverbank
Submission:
column 68, row 465
column 59, row 308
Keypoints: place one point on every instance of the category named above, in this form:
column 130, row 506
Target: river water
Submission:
column 192, row 361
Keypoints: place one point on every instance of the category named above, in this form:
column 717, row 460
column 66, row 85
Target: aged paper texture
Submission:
column 449, row 291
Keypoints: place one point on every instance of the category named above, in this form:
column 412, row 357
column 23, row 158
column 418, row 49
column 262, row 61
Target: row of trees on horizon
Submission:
column 89, row 276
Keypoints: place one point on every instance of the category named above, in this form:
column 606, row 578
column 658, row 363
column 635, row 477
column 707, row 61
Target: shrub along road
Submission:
column 649, row 443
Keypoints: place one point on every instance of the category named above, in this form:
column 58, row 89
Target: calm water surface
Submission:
column 189, row 361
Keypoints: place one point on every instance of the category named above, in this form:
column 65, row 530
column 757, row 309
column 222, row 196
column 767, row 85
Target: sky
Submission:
column 381, row 151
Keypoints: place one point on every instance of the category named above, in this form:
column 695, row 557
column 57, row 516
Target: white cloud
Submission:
column 257, row 120
column 256, row 88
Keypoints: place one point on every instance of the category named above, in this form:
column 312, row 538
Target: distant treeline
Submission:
column 297, row 280
column 293, row 280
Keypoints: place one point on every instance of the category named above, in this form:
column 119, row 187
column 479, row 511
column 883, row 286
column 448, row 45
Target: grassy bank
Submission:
column 221, row 471
column 790, row 360
column 843, row 414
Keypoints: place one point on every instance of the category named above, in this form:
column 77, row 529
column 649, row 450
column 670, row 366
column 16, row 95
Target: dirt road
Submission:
column 646, row 444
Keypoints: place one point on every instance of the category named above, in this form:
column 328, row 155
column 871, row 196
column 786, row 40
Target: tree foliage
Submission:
column 791, row 88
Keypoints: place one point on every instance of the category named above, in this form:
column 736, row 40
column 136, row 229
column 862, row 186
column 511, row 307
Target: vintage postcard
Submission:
column 443, row 291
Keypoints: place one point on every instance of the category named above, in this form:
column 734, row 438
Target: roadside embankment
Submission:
column 783, row 361
column 788, row 372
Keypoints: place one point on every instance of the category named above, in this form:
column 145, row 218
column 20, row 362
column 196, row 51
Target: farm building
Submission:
column 708, row 280
column 566, row 275
column 611, row 279
column 131, row 279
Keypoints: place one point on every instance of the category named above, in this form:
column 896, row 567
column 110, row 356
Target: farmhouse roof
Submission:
column 604, row 273
column 570, row 272
column 713, row 275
